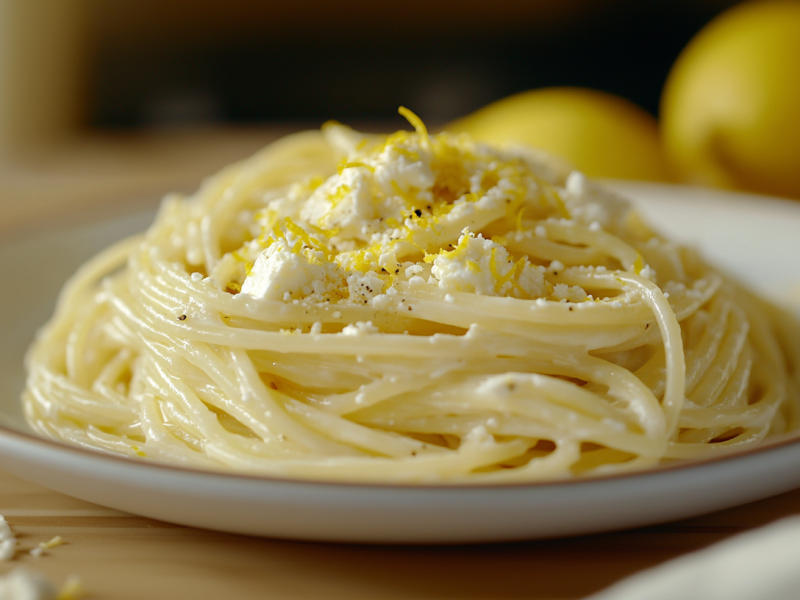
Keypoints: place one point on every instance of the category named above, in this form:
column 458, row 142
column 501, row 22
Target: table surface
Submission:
column 121, row 556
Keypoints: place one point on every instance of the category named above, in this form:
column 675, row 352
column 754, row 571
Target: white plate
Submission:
column 754, row 237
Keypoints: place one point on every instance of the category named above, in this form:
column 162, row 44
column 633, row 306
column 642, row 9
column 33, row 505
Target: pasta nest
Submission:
column 409, row 308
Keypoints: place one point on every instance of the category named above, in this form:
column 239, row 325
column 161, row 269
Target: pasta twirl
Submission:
column 408, row 308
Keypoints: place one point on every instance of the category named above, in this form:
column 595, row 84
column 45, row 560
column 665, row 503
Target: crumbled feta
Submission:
column 468, row 268
column 648, row 273
column 344, row 202
column 8, row 541
column 396, row 171
column 381, row 301
column 363, row 287
column 281, row 273
column 353, row 237
column 372, row 188
column 569, row 293
column 360, row 328
column 479, row 435
column 532, row 281
column 388, row 259
column 281, row 205
column 413, row 270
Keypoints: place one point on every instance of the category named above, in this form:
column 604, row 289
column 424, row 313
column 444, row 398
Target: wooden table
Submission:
column 123, row 556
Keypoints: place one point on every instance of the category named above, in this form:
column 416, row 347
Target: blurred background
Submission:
column 115, row 98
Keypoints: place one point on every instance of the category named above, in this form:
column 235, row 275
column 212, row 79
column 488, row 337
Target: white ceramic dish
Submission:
column 755, row 238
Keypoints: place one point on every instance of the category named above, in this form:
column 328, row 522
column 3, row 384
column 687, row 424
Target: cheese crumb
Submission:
column 381, row 301
column 413, row 270
column 360, row 329
column 281, row 272
column 363, row 287
column 484, row 267
column 566, row 293
column 8, row 541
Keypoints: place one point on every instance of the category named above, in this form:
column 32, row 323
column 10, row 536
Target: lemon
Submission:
column 730, row 110
column 601, row 134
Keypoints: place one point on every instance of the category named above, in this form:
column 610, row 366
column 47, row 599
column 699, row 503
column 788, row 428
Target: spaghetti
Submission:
column 408, row 308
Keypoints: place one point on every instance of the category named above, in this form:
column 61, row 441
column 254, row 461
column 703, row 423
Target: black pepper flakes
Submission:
column 182, row 318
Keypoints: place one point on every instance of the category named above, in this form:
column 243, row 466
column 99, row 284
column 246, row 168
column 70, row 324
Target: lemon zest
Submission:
column 501, row 280
column 417, row 124
column 638, row 264
column 560, row 206
column 519, row 218
column 352, row 165
column 407, row 196
column 305, row 240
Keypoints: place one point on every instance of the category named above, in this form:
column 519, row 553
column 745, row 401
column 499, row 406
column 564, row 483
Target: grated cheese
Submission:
column 8, row 541
column 401, row 209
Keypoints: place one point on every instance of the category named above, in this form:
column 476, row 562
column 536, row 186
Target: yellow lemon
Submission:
column 730, row 111
column 602, row 135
